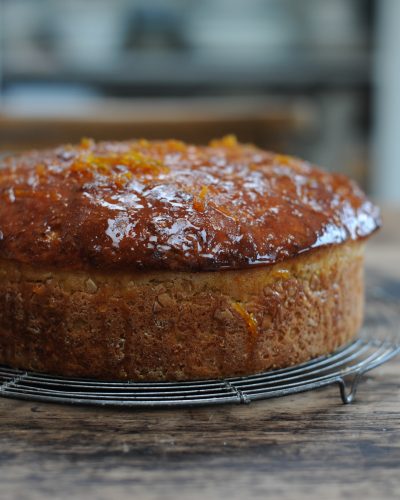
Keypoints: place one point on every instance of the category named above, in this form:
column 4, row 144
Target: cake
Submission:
column 159, row 260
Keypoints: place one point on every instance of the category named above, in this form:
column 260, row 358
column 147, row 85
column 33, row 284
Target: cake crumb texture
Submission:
column 163, row 325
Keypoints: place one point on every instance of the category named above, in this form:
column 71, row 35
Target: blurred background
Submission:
column 315, row 78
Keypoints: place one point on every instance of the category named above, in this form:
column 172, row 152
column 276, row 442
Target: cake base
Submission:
column 179, row 325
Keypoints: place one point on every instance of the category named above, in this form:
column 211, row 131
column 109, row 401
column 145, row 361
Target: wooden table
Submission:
column 304, row 446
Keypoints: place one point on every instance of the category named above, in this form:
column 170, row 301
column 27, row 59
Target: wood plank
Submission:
column 306, row 446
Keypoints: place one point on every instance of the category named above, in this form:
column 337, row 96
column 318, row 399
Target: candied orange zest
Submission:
column 176, row 145
column 250, row 320
column 224, row 211
column 132, row 160
column 228, row 141
column 87, row 143
column 199, row 200
column 284, row 160
column 122, row 180
column 40, row 170
column 203, row 192
column 198, row 205
column 81, row 166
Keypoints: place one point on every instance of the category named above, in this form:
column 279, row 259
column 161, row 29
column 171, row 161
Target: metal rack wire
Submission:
column 352, row 361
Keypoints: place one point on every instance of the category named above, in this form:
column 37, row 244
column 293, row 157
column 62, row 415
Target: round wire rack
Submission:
column 351, row 361
column 379, row 341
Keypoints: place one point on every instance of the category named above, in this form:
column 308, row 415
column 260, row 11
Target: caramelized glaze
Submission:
column 167, row 205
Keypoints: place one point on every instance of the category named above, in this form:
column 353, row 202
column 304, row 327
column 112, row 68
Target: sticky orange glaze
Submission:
column 168, row 205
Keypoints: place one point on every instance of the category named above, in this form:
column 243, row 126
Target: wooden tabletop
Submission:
column 303, row 446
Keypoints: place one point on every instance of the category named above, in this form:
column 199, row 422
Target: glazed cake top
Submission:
column 170, row 205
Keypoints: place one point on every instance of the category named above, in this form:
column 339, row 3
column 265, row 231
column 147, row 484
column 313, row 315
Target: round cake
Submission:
column 166, row 261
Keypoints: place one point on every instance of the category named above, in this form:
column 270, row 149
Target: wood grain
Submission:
column 304, row 446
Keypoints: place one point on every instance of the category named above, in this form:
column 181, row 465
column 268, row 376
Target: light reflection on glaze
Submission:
column 118, row 229
column 200, row 208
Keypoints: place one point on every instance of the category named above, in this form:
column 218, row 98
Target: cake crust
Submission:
column 172, row 206
column 163, row 325
column 166, row 261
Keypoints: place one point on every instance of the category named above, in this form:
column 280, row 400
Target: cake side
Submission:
column 180, row 325
column 167, row 205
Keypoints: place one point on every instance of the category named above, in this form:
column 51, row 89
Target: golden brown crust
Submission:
column 168, row 205
column 180, row 325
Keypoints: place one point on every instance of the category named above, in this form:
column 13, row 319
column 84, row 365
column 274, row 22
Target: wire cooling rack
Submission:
column 379, row 341
column 351, row 361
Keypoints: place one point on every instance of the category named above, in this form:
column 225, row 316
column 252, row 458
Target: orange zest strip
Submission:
column 250, row 320
column 284, row 160
column 224, row 211
column 40, row 170
column 133, row 160
column 228, row 141
column 122, row 180
column 199, row 200
column 87, row 143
